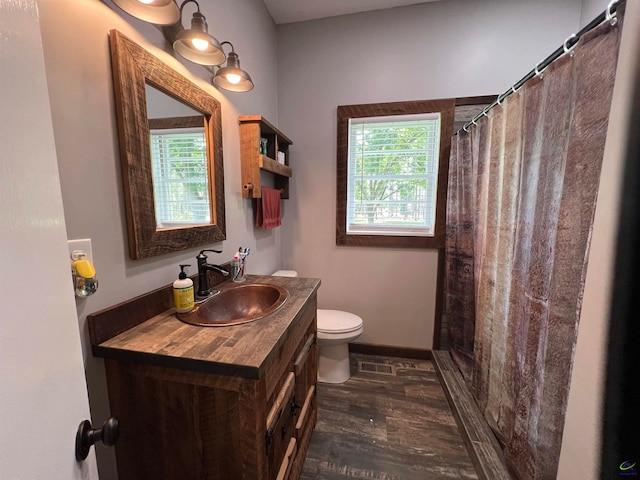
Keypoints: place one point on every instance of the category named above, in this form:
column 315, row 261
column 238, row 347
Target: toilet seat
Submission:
column 336, row 321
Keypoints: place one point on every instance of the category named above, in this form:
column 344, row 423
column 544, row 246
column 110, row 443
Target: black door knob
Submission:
column 107, row 434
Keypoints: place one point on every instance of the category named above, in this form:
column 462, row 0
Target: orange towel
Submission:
column 268, row 209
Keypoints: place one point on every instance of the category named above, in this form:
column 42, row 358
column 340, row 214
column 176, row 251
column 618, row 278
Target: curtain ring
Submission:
column 538, row 72
column 473, row 122
column 611, row 17
column 513, row 88
column 484, row 112
column 499, row 101
column 464, row 127
column 565, row 46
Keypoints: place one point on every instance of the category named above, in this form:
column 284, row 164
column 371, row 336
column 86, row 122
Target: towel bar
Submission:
column 249, row 186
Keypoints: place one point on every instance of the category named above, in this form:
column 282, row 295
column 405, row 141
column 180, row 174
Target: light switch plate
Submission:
column 84, row 245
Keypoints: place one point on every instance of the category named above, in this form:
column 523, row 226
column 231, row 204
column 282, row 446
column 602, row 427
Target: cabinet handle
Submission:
column 291, row 420
column 287, row 463
column 302, row 357
column 302, row 419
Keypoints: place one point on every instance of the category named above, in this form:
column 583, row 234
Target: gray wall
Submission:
column 446, row 49
column 591, row 9
column 78, row 69
column 582, row 438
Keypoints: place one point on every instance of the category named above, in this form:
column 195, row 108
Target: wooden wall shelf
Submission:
column 252, row 129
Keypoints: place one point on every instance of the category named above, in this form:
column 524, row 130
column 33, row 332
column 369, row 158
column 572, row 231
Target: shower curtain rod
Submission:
column 609, row 15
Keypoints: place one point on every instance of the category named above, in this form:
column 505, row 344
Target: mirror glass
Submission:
column 179, row 161
column 170, row 134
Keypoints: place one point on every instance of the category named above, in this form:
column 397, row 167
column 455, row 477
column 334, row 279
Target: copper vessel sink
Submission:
column 237, row 304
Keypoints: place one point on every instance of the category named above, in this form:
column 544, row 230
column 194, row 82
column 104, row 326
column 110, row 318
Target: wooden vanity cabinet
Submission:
column 189, row 424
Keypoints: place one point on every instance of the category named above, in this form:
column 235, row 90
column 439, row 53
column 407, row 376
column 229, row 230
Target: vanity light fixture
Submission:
column 160, row 12
column 195, row 44
column 231, row 77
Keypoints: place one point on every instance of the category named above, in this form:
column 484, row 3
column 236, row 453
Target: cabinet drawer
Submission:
column 287, row 462
column 305, row 412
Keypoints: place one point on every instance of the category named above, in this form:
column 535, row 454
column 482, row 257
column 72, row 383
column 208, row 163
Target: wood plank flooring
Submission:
column 386, row 427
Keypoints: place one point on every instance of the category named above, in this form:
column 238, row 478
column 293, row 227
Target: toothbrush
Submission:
column 243, row 252
column 244, row 255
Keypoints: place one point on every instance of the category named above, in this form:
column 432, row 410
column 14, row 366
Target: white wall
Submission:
column 43, row 395
column 78, row 68
column 591, row 9
column 581, row 441
column 456, row 48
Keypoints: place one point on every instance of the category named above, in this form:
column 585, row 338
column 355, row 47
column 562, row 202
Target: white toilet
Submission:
column 335, row 330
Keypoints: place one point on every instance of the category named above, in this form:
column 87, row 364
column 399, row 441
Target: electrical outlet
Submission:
column 81, row 245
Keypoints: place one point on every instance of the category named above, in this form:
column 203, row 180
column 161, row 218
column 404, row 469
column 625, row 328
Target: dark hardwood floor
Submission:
column 388, row 427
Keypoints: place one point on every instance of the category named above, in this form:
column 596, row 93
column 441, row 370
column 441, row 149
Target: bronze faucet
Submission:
column 203, row 283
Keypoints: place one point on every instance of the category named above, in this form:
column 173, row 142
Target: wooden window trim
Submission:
column 446, row 108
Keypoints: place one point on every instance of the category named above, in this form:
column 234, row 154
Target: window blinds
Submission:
column 392, row 174
column 180, row 179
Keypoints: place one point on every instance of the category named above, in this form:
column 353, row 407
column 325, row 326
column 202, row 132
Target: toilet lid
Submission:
column 336, row 321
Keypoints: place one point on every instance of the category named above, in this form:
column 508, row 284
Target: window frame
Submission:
column 446, row 108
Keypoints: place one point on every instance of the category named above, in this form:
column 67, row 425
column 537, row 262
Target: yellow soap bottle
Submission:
column 183, row 292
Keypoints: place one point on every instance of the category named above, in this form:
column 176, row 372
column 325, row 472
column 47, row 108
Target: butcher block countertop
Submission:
column 163, row 340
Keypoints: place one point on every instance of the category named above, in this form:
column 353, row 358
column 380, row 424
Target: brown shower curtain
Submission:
column 522, row 194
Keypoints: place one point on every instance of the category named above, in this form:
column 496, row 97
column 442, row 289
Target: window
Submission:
column 180, row 184
column 392, row 173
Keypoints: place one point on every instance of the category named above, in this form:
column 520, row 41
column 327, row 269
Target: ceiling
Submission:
column 288, row 11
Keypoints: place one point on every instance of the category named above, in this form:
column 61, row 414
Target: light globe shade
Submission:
column 197, row 46
column 232, row 77
column 159, row 12
column 233, row 81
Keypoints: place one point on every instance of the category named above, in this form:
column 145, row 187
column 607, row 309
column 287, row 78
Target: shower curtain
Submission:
column 521, row 200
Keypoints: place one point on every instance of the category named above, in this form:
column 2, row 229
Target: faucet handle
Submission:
column 202, row 255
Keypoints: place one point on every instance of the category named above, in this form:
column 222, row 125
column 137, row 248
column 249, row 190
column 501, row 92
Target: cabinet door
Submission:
column 305, row 417
column 284, row 472
column 305, row 368
column 280, row 425
column 305, row 365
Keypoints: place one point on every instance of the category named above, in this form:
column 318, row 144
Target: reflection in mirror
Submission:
column 170, row 135
column 179, row 162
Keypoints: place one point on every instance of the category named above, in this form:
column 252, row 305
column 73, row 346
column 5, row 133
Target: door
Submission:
column 43, row 395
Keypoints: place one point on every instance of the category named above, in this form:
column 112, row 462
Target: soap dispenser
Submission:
column 183, row 292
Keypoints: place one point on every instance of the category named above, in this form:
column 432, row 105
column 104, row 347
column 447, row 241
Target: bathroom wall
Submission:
column 591, row 9
column 43, row 394
column 78, row 67
column 582, row 438
column 456, row 48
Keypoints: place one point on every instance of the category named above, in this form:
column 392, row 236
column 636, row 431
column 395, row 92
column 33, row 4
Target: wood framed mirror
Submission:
column 174, row 197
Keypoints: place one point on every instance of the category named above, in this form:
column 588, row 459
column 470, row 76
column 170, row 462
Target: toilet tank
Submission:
column 285, row 273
